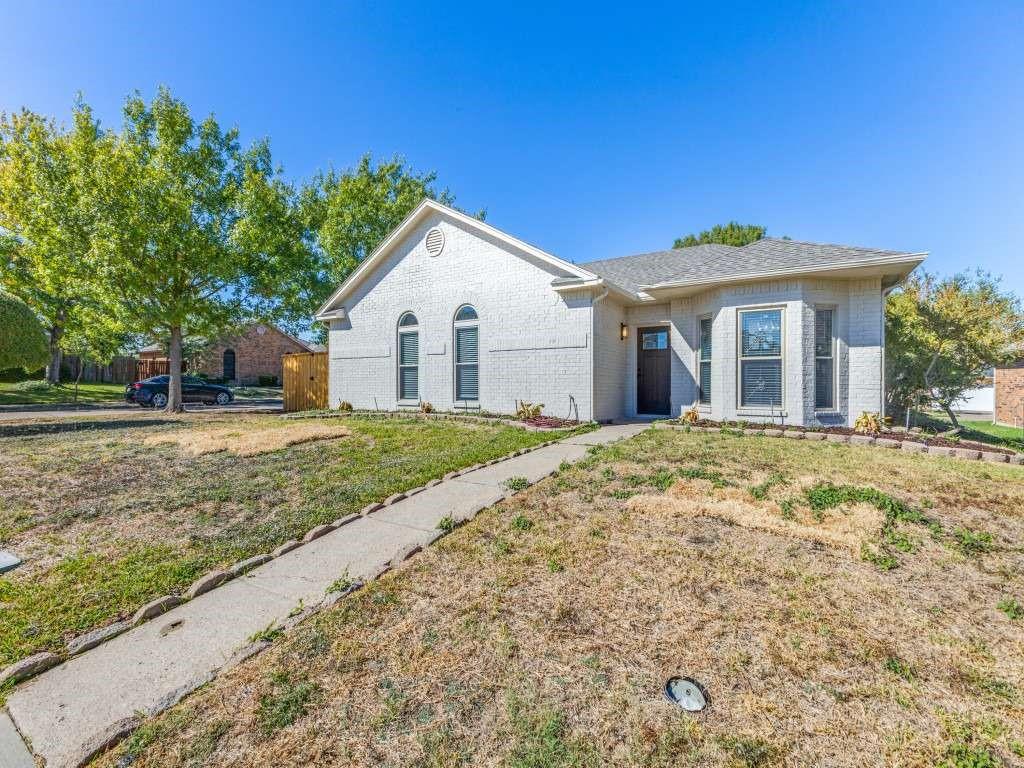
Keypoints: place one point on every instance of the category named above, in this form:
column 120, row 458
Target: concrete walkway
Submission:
column 70, row 712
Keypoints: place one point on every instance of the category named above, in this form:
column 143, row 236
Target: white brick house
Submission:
column 451, row 311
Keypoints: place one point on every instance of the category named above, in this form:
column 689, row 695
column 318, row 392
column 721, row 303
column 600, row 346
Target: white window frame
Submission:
column 456, row 324
column 701, row 405
column 834, row 357
column 761, row 409
column 404, row 330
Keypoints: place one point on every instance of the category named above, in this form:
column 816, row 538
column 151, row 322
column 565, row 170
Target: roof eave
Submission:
column 896, row 269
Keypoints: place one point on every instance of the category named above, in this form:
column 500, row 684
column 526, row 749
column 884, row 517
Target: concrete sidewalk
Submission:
column 79, row 707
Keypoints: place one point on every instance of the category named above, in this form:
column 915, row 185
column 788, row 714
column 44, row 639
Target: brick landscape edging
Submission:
column 966, row 454
column 35, row 664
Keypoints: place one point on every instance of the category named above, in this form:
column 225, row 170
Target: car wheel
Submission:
column 223, row 398
column 159, row 400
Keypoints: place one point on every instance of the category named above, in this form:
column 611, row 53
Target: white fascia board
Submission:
column 410, row 221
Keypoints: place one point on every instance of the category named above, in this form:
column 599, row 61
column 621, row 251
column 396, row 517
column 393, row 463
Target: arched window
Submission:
column 467, row 344
column 408, row 357
column 228, row 365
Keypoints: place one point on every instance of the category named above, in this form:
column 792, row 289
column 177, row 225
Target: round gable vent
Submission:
column 435, row 241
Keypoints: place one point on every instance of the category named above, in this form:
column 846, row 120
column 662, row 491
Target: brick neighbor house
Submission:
column 244, row 359
column 1009, row 386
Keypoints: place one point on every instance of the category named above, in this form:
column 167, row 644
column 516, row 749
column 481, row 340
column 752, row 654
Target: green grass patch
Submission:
column 1013, row 609
column 287, row 701
column 231, row 507
column 24, row 393
column 541, row 739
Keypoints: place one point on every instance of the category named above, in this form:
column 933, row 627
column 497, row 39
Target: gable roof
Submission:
column 765, row 258
column 410, row 222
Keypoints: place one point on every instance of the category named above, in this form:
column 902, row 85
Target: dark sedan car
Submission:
column 152, row 392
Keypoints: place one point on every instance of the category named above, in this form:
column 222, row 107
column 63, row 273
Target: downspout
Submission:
column 593, row 346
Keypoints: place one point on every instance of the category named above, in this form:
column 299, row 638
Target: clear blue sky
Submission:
column 596, row 132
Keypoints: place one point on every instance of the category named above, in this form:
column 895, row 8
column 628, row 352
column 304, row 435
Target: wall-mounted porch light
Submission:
column 623, row 331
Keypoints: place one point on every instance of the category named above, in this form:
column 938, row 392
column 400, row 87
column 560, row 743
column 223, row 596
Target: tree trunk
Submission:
column 56, row 355
column 174, row 402
column 78, row 378
column 952, row 417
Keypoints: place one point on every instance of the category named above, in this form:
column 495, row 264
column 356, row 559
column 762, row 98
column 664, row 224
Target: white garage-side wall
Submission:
column 535, row 344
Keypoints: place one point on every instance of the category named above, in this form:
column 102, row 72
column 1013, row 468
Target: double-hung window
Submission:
column 467, row 344
column 761, row 364
column 704, row 362
column 824, row 360
column 408, row 357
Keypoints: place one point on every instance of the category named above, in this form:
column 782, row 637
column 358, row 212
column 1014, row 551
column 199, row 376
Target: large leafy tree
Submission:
column 22, row 338
column 943, row 335
column 343, row 216
column 732, row 233
column 187, row 251
column 47, row 221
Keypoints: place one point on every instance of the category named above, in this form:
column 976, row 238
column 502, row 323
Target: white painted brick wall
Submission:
column 858, row 350
column 539, row 346
column 535, row 344
column 865, row 341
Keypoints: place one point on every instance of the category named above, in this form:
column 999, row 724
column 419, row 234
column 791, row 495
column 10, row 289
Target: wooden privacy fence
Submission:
column 120, row 370
column 305, row 381
column 155, row 366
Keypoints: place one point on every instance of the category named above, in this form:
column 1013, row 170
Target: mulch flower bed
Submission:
column 550, row 422
column 916, row 437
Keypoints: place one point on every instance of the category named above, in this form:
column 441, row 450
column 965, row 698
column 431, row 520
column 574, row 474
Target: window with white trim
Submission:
column 408, row 357
column 467, row 344
column 824, row 360
column 704, row 362
column 761, row 364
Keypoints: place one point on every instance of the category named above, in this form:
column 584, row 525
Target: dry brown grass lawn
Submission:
column 200, row 439
column 540, row 634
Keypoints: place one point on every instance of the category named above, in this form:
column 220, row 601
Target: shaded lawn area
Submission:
column 64, row 393
column 541, row 633
column 986, row 432
column 107, row 517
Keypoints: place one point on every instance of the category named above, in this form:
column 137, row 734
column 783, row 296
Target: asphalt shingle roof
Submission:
column 709, row 262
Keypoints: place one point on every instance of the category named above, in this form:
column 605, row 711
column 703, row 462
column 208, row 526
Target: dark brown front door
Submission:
column 652, row 371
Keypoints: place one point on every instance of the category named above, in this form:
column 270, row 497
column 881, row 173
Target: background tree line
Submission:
column 167, row 228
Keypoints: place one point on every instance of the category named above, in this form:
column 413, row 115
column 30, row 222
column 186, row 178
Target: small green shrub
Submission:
column 899, row 668
column 446, row 524
column 345, row 406
column 268, row 634
column 33, row 387
column 342, row 584
column 972, row 542
column 516, row 484
column 1011, row 608
column 760, row 492
column 266, row 381
column 868, row 423
column 525, row 410
column 522, row 523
